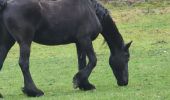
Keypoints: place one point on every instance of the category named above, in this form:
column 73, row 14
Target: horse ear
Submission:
column 128, row 45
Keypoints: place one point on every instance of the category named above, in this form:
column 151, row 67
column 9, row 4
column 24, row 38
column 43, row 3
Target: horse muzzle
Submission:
column 122, row 83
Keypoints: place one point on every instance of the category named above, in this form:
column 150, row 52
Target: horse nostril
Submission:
column 122, row 83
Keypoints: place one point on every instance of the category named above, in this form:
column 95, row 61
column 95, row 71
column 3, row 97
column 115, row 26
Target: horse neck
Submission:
column 111, row 34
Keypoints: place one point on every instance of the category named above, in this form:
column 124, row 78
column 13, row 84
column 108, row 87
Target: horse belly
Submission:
column 47, row 38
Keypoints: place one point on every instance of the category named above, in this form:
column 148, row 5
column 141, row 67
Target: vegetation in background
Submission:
column 136, row 3
column 52, row 68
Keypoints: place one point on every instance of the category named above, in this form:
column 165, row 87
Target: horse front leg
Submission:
column 80, row 80
column 81, row 55
column 29, row 87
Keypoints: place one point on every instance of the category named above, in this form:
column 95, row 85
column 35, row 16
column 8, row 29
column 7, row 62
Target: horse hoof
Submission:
column 32, row 92
column 75, row 82
column 82, row 84
column 87, row 87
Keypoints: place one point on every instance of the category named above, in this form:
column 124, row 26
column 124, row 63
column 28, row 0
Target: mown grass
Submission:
column 52, row 68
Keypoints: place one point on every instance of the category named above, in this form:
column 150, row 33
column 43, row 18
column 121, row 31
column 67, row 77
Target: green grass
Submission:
column 52, row 68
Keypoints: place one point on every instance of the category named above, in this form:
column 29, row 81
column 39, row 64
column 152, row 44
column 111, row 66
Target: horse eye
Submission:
column 127, row 55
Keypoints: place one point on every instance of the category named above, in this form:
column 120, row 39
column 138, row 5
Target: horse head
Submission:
column 119, row 64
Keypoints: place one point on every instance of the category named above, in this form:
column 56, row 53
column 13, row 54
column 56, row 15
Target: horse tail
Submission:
column 3, row 4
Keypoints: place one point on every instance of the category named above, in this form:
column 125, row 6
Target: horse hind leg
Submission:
column 6, row 42
column 29, row 88
column 24, row 37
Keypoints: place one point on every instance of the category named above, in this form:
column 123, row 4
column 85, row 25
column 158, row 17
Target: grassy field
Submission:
column 52, row 68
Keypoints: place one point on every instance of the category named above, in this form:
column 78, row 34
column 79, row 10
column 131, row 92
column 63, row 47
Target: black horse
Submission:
column 56, row 22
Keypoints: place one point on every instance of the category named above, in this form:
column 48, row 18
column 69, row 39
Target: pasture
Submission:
column 53, row 68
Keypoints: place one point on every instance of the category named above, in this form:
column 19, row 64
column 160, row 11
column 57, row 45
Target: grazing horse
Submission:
column 56, row 22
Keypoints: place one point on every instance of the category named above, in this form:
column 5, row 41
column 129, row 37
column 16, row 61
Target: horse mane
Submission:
column 110, row 29
column 100, row 10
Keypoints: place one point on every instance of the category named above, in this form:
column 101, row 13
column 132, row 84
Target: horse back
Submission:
column 69, row 13
column 60, row 21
